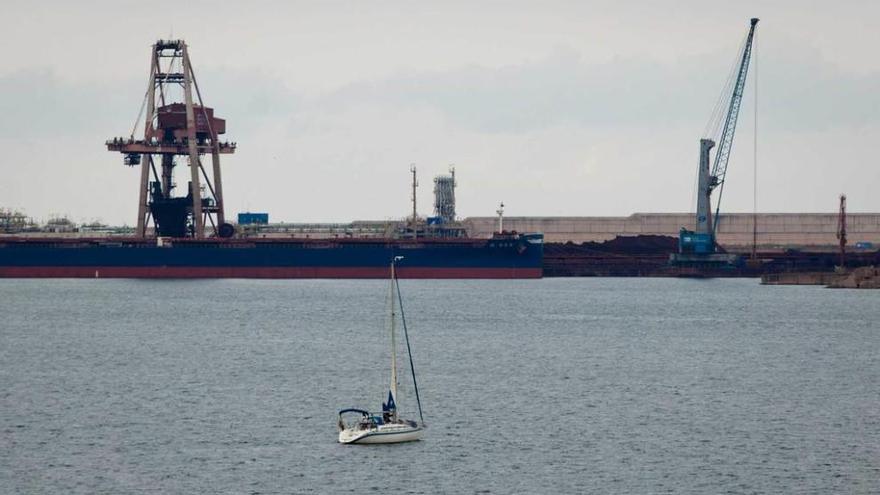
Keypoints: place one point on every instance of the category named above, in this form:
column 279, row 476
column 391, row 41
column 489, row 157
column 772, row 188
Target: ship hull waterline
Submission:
column 502, row 257
column 379, row 437
column 191, row 272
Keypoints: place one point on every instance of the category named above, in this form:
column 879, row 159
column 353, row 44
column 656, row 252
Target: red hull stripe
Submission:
column 259, row 272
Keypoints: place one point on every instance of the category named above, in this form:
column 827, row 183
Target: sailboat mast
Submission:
column 393, row 340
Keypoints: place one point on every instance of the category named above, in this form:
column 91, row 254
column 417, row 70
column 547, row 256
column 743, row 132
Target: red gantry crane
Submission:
column 174, row 130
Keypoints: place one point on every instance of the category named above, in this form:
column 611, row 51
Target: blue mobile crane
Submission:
column 698, row 247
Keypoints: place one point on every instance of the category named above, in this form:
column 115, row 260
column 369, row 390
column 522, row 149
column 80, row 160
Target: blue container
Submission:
column 253, row 218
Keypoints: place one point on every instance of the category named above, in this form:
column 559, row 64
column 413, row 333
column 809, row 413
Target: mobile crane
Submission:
column 698, row 247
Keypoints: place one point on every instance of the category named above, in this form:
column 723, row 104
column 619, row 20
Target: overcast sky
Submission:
column 556, row 108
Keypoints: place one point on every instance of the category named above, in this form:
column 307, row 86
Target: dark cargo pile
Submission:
column 622, row 256
column 641, row 244
column 648, row 255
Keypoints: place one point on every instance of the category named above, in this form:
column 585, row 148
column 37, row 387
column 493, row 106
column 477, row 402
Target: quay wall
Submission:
column 734, row 229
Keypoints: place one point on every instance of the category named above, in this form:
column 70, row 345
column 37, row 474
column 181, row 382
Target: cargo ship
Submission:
column 504, row 256
column 190, row 237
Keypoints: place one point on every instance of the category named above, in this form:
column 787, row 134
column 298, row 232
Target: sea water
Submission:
column 540, row 386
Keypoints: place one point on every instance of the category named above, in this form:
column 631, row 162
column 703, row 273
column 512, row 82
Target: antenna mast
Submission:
column 841, row 230
column 415, row 216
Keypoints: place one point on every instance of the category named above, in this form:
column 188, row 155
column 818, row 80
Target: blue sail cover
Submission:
column 390, row 405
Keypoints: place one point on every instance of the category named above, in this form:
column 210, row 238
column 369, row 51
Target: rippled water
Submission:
column 548, row 386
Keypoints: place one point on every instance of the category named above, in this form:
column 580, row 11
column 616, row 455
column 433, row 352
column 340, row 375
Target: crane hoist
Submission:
column 699, row 246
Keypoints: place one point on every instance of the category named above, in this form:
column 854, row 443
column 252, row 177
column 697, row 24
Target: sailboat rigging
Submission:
column 389, row 427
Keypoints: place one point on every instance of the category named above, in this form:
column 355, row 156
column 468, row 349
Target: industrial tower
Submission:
column 698, row 246
column 174, row 127
column 444, row 196
column 443, row 223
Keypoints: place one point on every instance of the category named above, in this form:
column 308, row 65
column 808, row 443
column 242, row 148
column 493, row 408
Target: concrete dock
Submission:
column 866, row 277
column 794, row 230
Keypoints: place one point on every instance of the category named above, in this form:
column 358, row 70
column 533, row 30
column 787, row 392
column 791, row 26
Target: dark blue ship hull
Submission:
column 504, row 256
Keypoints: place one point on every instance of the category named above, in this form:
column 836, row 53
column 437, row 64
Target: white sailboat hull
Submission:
column 392, row 433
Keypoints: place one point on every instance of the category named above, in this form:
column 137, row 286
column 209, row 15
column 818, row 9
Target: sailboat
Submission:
column 387, row 427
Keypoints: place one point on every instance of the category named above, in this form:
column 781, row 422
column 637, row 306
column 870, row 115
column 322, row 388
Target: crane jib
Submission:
column 725, row 144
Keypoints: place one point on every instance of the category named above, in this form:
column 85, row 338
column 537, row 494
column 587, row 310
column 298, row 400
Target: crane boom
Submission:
column 698, row 247
column 719, row 169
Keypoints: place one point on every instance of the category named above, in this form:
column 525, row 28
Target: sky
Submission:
column 556, row 108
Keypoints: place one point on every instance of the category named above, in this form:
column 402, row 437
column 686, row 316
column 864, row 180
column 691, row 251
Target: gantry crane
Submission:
column 174, row 130
column 699, row 246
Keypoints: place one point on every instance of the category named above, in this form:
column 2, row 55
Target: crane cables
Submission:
column 143, row 103
column 151, row 87
column 712, row 130
column 713, row 125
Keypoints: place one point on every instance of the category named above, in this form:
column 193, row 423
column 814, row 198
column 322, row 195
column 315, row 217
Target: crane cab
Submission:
column 691, row 242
